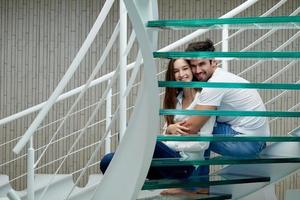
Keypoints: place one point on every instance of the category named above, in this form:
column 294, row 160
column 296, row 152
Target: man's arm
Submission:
column 195, row 123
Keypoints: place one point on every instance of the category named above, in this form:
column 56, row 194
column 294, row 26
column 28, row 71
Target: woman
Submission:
column 183, row 98
column 179, row 98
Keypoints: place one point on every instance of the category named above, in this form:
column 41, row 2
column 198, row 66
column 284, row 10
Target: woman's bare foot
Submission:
column 180, row 191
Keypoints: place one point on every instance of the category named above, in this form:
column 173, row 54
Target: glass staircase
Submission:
column 194, row 197
column 283, row 22
column 279, row 159
column 288, row 138
column 198, row 181
column 224, row 160
column 241, row 55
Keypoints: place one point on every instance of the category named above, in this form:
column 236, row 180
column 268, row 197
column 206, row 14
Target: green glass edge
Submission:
column 221, row 21
column 201, row 181
column 216, row 54
column 229, row 113
column 223, row 161
column 229, row 138
column 176, row 84
column 210, row 196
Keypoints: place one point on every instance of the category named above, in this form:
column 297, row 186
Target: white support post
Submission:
column 30, row 171
column 225, row 46
column 108, row 120
column 123, row 64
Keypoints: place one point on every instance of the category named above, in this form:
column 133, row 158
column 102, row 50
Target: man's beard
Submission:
column 205, row 79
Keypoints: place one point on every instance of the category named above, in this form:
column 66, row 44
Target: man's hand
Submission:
column 177, row 128
column 195, row 123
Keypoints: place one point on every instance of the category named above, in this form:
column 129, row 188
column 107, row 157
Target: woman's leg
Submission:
column 105, row 162
column 161, row 151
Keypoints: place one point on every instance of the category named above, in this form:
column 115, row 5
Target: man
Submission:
column 223, row 99
column 226, row 99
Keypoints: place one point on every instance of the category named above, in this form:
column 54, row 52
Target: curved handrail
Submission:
column 64, row 81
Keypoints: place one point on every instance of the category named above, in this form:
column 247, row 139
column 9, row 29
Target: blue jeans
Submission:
column 235, row 149
column 224, row 148
column 161, row 151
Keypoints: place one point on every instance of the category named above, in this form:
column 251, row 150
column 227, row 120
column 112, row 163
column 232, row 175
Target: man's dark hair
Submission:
column 206, row 45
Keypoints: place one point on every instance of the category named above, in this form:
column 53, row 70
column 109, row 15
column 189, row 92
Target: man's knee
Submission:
column 105, row 162
column 237, row 148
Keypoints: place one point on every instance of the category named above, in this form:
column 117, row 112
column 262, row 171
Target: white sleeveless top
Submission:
column 191, row 149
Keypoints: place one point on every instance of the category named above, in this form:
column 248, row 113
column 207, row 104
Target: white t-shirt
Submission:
column 235, row 99
column 191, row 149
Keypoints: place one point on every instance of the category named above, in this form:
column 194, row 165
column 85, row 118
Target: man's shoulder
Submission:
column 221, row 75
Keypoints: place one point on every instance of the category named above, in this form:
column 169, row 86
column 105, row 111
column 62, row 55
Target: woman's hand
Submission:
column 177, row 128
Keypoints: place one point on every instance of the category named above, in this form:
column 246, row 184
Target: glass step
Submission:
column 225, row 138
column 217, row 54
column 229, row 113
column 191, row 197
column 198, row 84
column 278, row 22
column 224, row 160
column 198, row 181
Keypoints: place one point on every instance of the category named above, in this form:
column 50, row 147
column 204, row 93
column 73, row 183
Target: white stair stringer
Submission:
column 275, row 171
column 127, row 171
column 87, row 191
column 61, row 184
column 4, row 185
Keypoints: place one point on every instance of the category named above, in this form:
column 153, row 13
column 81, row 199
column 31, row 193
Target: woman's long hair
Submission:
column 170, row 99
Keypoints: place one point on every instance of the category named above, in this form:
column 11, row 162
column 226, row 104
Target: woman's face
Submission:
column 182, row 71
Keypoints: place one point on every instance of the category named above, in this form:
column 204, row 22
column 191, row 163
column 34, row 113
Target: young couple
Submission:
column 204, row 99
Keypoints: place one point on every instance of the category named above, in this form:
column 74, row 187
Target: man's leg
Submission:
column 227, row 148
column 234, row 148
column 201, row 172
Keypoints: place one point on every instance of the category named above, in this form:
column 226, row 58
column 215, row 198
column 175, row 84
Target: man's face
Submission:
column 203, row 69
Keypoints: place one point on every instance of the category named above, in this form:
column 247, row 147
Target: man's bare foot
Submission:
column 202, row 191
column 180, row 191
column 174, row 191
